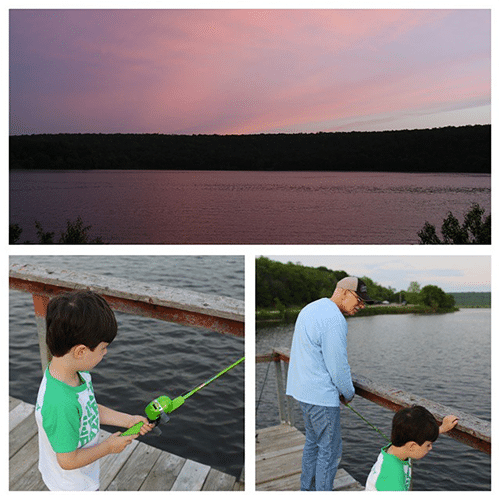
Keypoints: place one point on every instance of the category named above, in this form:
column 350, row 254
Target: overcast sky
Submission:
column 247, row 71
column 454, row 274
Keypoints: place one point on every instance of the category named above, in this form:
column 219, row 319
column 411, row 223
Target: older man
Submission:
column 319, row 378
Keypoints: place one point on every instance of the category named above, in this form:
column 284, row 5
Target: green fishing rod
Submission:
column 163, row 405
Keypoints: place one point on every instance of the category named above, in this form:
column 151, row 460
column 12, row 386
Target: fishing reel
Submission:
column 158, row 409
column 163, row 405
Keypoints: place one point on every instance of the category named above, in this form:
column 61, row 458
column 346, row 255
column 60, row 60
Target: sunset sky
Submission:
column 247, row 71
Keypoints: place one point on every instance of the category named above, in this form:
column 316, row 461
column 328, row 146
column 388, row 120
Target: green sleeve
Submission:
column 61, row 423
column 391, row 477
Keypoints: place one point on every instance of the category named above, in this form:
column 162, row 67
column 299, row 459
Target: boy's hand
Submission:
column 449, row 422
column 116, row 443
column 145, row 428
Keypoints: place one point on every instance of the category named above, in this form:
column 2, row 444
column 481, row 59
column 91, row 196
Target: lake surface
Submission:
column 214, row 207
column 149, row 358
column 444, row 358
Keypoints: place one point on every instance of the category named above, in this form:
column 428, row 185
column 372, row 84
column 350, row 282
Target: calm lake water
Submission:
column 214, row 207
column 150, row 358
column 444, row 358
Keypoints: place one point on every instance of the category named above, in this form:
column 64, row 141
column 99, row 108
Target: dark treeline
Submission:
column 448, row 149
column 290, row 284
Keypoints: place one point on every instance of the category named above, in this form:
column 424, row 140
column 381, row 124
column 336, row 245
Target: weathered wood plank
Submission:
column 112, row 464
column 218, row 481
column 284, row 465
column 153, row 294
column 20, row 412
column 30, row 481
column 13, row 402
column 164, row 473
column 22, row 433
column 470, row 430
column 278, row 468
column 136, row 468
column 191, row 477
column 22, row 461
column 265, row 445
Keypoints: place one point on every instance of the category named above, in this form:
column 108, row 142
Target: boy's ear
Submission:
column 411, row 445
column 79, row 351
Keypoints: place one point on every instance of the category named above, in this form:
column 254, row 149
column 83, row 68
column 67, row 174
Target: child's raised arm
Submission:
column 449, row 422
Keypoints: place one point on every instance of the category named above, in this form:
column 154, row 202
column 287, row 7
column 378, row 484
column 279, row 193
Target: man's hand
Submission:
column 449, row 422
column 145, row 428
column 344, row 401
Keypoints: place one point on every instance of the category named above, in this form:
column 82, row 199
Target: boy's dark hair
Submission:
column 78, row 317
column 416, row 424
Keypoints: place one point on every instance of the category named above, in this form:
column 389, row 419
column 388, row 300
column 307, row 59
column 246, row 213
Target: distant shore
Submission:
column 465, row 149
column 270, row 318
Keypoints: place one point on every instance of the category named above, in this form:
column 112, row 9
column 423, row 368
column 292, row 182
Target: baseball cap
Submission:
column 357, row 285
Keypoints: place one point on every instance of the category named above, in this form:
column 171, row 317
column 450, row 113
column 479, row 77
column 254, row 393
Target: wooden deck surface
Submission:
column 137, row 468
column 279, row 458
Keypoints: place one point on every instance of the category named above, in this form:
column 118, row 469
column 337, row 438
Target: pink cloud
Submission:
column 224, row 71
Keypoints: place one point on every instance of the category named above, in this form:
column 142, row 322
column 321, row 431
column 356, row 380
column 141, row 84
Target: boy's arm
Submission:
column 108, row 416
column 85, row 456
column 449, row 422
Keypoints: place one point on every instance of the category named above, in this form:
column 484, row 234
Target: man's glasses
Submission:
column 360, row 300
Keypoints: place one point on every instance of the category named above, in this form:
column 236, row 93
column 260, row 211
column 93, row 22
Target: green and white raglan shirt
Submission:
column 389, row 473
column 68, row 419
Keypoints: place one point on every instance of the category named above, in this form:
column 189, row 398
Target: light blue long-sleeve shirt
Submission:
column 319, row 371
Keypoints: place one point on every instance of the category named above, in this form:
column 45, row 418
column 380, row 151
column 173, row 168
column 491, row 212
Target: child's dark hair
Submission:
column 416, row 424
column 78, row 317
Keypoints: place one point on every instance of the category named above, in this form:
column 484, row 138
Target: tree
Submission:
column 436, row 298
column 474, row 229
column 412, row 293
column 414, row 287
column 76, row 233
column 14, row 233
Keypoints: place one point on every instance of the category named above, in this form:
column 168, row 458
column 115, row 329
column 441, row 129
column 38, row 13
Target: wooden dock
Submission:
column 278, row 460
column 137, row 468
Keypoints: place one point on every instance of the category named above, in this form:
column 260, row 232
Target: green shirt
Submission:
column 389, row 473
column 68, row 419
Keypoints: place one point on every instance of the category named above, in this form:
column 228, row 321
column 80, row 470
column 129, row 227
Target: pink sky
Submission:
column 247, row 71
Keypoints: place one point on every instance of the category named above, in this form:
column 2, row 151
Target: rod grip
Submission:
column 135, row 429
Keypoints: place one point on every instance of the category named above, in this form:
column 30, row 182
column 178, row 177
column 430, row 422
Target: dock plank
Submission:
column 138, row 467
column 163, row 473
column 191, row 477
column 22, row 433
column 135, row 469
column 22, row 461
column 278, row 462
column 217, row 479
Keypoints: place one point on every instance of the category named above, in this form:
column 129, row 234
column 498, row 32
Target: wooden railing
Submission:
column 217, row 313
column 470, row 430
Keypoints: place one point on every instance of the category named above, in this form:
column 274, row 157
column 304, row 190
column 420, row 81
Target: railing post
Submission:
column 281, row 391
column 289, row 400
column 40, row 303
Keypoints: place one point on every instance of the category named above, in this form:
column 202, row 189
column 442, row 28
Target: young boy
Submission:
column 80, row 325
column 414, row 430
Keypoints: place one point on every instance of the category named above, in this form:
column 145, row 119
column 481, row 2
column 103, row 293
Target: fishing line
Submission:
column 265, row 377
column 369, row 423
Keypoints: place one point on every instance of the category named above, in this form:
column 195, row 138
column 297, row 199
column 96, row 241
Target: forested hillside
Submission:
column 472, row 299
column 449, row 149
